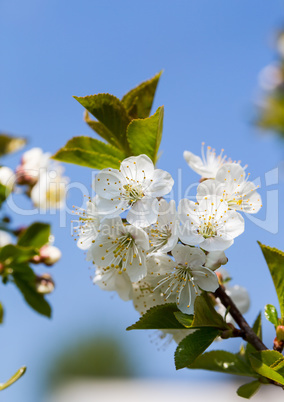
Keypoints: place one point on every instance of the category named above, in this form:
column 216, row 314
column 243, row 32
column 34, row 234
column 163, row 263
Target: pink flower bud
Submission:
column 44, row 284
column 280, row 332
column 49, row 255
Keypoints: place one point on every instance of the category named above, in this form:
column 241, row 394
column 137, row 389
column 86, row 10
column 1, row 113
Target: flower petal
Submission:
column 161, row 184
column 144, row 212
column 137, row 168
column 205, row 279
column 108, row 183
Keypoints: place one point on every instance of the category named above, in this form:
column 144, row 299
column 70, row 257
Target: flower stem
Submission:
column 247, row 332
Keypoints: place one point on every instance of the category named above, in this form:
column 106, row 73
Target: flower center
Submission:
column 159, row 237
column 207, row 230
column 133, row 193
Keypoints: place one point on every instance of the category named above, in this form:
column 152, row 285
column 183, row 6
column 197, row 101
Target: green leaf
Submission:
column 275, row 261
column 267, row 364
column 14, row 378
column 25, row 280
column 36, row 235
column 271, row 315
column 4, row 193
column 111, row 112
column 138, row 102
column 185, row 319
column 193, row 345
column 101, row 130
column 205, row 314
column 248, row 390
column 159, row 317
column 13, row 254
column 9, row 144
column 86, row 151
column 223, row 362
column 1, row 313
column 257, row 329
column 144, row 135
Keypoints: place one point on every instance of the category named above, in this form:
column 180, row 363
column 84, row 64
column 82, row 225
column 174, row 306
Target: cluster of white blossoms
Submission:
column 44, row 179
column 151, row 252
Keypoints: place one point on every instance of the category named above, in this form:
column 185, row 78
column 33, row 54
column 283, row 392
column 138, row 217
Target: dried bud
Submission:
column 44, row 284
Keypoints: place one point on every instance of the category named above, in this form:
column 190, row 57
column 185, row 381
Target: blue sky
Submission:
column 211, row 52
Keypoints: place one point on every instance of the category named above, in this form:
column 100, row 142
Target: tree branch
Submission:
column 248, row 333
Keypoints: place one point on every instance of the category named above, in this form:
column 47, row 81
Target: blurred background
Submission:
column 212, row 53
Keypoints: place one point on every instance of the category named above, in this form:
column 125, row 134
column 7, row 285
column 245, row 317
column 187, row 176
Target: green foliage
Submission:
column 13, row 379
column 159, row 317
column 193, row 345
column 271, row 315
column 275, row 261
column 272, row 114
column 89, row 152
column 36, row 235
column 144, row 135
column 12, row 255
column 9, row 144
column 4, row 193
column 138, row 102
column 269, row 364
column 1, row 313
column 205, row 314
column 25, row 280
column 125, row 124
column 249, row 389
column 185, row 319
column 223, row 362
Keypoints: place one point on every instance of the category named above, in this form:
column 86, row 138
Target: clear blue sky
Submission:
column 211, row 52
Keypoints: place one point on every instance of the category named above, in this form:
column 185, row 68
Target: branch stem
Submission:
column 248, row 333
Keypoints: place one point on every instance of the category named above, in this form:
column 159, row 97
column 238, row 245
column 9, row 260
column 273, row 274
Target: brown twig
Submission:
column 247, row 332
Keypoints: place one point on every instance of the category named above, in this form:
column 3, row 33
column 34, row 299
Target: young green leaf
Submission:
column 205, row 314
column 4, row 193
column 36, row 235
column 223, row 362
column 185, row 319
column 89, row 152
column 9, row 144
column 248, row 390
column 25, row 281
column 267, row 364
column 193, row 345
column 275, row 261
column 13, row 379
column 138, row 102
column 159, row 317
column 13, row 254
column 144, row 135
column 271, row 315
column 109, row 111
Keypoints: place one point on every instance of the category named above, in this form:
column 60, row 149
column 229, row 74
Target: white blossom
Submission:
column 50, row 190
column 182, row 280
column 209, row 223
column 123, row 247
column 214, row 259
column 114, row 280
column 135, row 186
column 163, row 234
column 7, row 177
column 232, row 186
column 208, row 166
column 32, row 162
column 5, row 238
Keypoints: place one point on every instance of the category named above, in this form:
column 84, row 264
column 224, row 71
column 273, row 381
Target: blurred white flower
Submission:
column 5, row 238
column 7, row 177
column 44, row 284
column 113, row 280
column 49, row 255
column 50, row 190
column 31, row 163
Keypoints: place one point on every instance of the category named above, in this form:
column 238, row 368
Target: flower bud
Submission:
column 49, row 255
column 214, row 259
column 31, row 163
column 44, row 284
column 280, row 332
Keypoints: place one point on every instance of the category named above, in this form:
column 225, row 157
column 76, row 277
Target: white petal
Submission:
column 216, row 244
column 206, row 279
column 144, row 212
column 138, row 168
column 140, row 236
column 111, row 207
column 109, row 183
column 187, row 298
column 137, row 269
column 232, row 175
column 214, row 259
column 233, row 226
column 196, row 164
column 188, row 211
column 193, row 257
column 161, row 184
column 209, row 187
